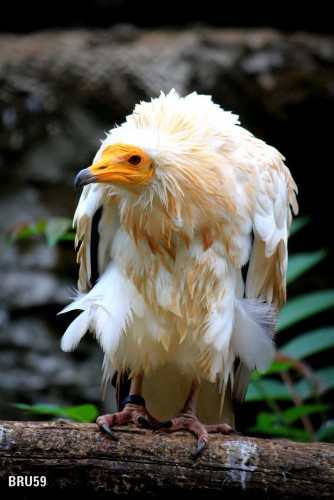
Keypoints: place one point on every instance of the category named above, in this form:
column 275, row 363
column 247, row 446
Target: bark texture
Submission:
column 78, row 458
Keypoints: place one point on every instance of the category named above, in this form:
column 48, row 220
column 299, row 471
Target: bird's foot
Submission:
column 188, row 421
column 134, row 411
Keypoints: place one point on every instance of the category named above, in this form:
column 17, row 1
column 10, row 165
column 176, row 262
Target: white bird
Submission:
column 182, row 230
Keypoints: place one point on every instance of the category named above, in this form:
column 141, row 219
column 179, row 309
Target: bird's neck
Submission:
column 161, row 226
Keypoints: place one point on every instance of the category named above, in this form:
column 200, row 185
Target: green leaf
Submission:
column 299, row 223
column 265, row 419
column 296, row 412
column 267, row 389
column 322, row 382
column 305, row 306
column 327, row 375
column 307, row 389
column 274, row 367
column 25, row 230
column 326, row 432
column 55, row 229
column 271, row 424
column 40, row 408
column 80, row 413
column 309, row 343
column 283, row 432
column 302, row 262
column 68, row 236
column 278, row 367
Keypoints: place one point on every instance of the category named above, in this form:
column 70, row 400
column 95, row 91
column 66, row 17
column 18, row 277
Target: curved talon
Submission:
column 200, row 447
column 106, row 429
column 145, row 422
column 163, row 425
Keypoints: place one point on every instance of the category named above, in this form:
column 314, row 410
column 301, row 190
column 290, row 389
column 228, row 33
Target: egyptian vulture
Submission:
column 182, row 229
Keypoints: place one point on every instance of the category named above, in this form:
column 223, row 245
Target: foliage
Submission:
column 54, row 229
column 291, row 391
column 80, row 413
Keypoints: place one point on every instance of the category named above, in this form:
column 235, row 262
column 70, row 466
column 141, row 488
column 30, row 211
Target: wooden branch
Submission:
column 78, row 458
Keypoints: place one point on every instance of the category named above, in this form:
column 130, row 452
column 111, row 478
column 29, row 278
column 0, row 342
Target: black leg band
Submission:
column 134, row 399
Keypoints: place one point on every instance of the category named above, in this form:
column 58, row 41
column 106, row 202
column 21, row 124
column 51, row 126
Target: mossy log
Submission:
column 41, row 458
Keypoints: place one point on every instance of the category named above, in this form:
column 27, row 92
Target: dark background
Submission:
column 304, row 137
column 26, row 17
column 304, row 134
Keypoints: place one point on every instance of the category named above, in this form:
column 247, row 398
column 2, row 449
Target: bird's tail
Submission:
column 254, row 327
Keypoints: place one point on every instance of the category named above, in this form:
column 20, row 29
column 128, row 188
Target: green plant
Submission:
column 80, row 413
column 54, row 230
column 292, row 391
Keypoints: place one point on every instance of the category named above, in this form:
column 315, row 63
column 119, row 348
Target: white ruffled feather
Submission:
column 170, row 257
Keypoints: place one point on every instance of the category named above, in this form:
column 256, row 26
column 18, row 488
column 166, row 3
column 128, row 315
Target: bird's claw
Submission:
column 106, row 429
column 200, row 447
column 163, row 425
column 145, row 422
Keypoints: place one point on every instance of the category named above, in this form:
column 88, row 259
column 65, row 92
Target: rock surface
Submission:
column 60, row 91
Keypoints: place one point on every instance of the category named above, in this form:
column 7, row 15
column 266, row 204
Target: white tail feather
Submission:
column 253, row 332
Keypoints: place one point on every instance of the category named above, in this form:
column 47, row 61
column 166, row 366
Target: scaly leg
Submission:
column 133, row 410
column 187, row 420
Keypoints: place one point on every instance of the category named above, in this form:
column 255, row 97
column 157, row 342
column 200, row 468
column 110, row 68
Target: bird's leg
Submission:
column 187, row 420
column 132, row 410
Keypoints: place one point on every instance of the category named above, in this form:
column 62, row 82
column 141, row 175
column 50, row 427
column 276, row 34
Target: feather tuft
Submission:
column 75, row 332
column 253, row 333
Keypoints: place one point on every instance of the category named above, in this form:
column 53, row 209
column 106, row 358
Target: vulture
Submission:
column 181, row 237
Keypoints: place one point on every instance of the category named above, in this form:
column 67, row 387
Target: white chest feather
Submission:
column 178, row 304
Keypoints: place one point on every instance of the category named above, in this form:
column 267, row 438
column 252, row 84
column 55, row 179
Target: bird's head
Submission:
column 169, row 153
column 120, row 164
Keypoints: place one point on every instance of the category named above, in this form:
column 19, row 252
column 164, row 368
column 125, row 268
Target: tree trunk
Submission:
column 41, row 458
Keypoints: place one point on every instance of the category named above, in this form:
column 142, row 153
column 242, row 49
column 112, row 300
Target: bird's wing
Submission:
column 274, row 197
column 86, row 220
column 96, row 224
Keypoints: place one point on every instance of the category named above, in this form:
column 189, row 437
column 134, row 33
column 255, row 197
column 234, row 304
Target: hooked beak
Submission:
column 84, row 177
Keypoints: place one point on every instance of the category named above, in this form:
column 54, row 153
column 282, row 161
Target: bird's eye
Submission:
column 134, row 160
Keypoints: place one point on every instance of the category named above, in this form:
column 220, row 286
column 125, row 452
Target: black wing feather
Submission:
column 94, row 245
column 124, row 384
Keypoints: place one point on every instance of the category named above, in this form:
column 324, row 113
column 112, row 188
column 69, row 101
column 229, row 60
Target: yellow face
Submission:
column 120, row 164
